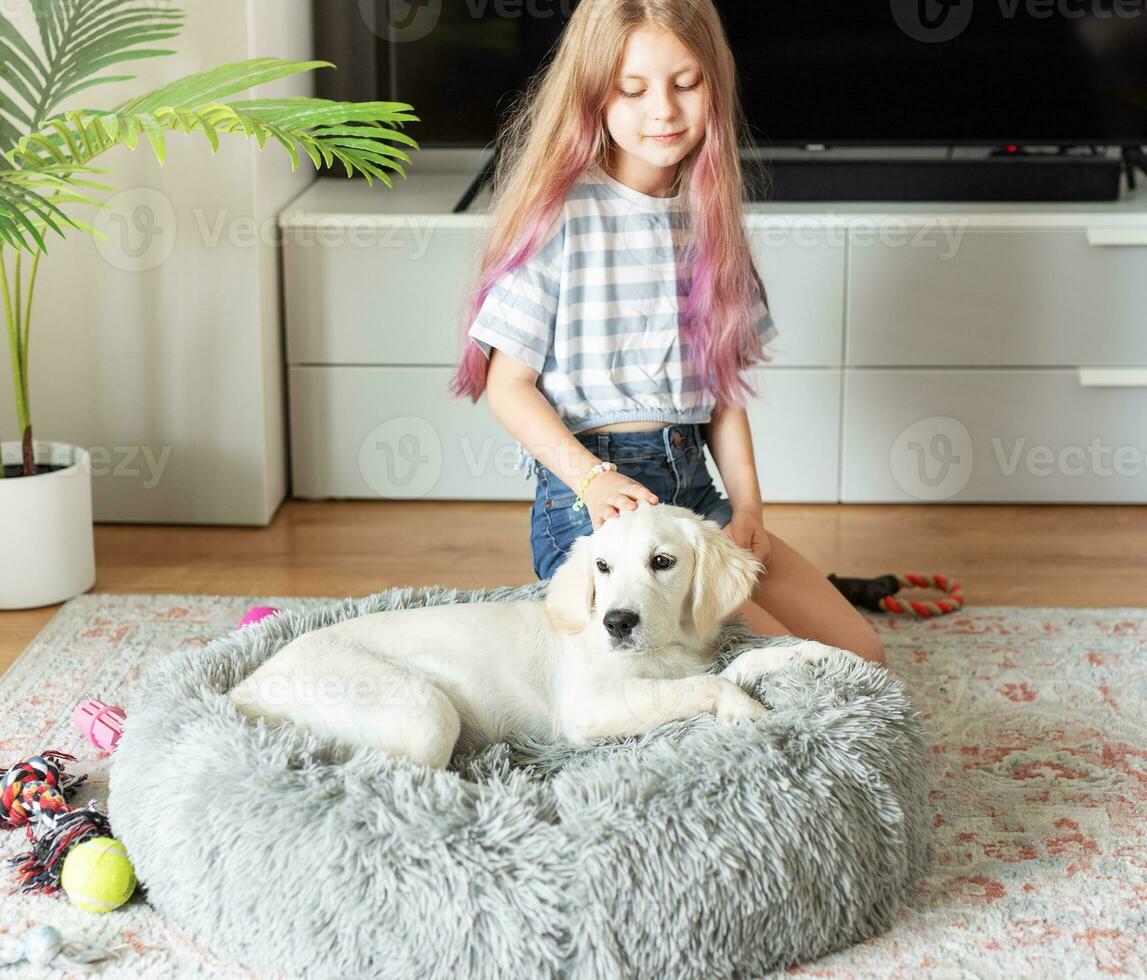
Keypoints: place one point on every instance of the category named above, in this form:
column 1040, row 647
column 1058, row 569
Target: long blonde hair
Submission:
column 557, row 129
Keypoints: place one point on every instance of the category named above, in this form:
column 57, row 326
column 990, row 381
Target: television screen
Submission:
column 859, row 72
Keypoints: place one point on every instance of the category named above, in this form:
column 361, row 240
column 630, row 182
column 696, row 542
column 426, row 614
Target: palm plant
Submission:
column 46, row 156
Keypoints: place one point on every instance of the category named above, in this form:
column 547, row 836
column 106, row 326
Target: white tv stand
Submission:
column 927, row 353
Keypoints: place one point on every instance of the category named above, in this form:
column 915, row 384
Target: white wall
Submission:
column 166, row 362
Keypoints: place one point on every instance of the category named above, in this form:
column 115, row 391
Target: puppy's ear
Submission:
column 724, row 576
column 569, row 600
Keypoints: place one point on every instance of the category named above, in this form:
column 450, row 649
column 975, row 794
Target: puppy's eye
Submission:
column 661, row 562
column 602, row 566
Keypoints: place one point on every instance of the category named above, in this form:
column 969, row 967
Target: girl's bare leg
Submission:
column 794, row 598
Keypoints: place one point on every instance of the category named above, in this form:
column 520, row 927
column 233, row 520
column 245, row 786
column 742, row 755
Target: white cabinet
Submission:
column 998, row 297
column 983, row 436
column 1000, row 363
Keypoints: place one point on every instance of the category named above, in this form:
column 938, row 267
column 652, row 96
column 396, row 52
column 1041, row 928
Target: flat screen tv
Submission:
column 835, row 72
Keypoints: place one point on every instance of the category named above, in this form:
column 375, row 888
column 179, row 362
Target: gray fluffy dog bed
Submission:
column 698, row 850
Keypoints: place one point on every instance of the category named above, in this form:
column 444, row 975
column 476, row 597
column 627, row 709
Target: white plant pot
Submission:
column 47, row 550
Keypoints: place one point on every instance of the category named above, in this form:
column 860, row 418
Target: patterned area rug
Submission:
column 1039, row 784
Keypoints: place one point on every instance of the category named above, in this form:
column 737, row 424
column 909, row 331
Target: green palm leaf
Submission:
column 355, row 135
column 30, row 203
column 79, row 39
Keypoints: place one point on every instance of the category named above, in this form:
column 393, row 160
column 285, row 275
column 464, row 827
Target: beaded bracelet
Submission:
column 600, row 468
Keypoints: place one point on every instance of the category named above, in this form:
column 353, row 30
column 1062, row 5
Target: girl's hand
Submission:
column 609, row 493
column 747, row 529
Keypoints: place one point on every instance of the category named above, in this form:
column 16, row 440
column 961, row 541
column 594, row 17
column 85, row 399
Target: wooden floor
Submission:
column 1003, row 555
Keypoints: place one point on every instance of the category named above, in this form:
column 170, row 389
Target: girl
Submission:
column 618, row 305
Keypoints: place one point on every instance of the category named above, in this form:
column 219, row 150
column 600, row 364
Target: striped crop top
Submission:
column 595, row 311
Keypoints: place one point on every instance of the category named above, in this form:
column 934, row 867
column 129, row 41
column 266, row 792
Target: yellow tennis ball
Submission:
column 97, row 875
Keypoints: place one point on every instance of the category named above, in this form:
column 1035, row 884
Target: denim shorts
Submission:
column 669, row 461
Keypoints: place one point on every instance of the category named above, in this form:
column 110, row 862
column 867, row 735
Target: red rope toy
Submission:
column 877, row 594
column 33, row 794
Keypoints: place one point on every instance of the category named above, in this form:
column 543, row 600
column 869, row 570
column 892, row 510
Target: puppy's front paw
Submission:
column 813, row 651
column 734, row 706
column 752, row 665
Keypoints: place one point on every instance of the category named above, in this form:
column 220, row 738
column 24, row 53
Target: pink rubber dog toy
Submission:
column 101, row 723
column 255, row 613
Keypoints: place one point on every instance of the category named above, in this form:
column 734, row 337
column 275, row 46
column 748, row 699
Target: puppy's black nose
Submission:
column 620, row 622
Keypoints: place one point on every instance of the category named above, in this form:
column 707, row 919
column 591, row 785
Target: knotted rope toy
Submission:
column 33, row 795
column 877, row 594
